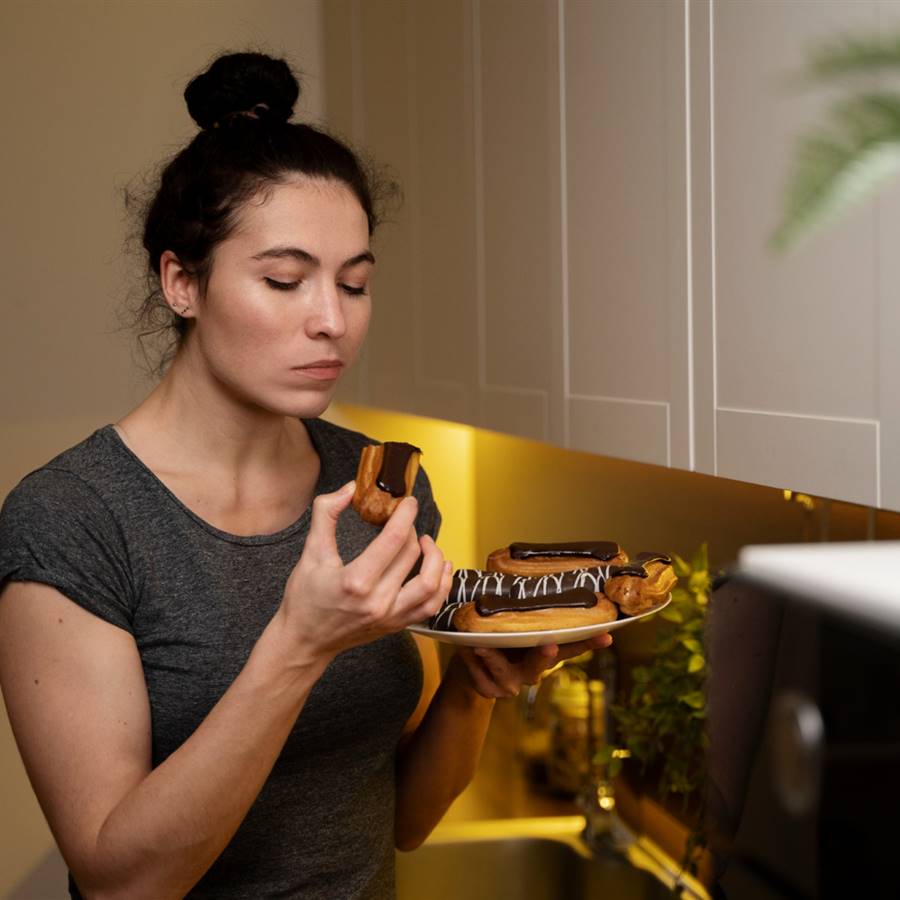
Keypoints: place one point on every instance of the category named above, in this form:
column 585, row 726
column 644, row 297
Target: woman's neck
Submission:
column 187, row 425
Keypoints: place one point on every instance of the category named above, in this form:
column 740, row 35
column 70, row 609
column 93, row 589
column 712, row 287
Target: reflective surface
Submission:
column 513, row 868
column 804, row 746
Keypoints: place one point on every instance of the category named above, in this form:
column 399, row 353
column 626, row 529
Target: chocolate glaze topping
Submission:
column 469, row 585
column 635, row 568
column 392, row 474
column 577, row 598
column 601, row 550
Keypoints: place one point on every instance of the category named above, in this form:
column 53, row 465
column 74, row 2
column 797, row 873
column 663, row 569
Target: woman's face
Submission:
column 287, row 304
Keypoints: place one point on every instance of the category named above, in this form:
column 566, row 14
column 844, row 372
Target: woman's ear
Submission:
column 179, row 286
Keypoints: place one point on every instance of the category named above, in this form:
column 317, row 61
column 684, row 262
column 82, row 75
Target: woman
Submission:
column 201, row 647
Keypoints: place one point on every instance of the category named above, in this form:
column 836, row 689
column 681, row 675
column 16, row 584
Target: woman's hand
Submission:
column 330, row 607
column 501, row 673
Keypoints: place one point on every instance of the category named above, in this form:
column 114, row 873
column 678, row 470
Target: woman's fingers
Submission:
column 326, row 509
column 364, row 573
column 482, row 681
column 428, row 581
column 509, row 670
column 567, row 651
column 402, row 564
column 505, row 674
column 427, row 607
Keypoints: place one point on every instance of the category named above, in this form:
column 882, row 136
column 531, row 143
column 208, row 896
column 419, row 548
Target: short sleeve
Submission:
column 55, row 529
column 428, row 521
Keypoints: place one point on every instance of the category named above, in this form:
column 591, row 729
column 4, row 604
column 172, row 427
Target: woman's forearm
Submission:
column 166, row 832
column 441, row 756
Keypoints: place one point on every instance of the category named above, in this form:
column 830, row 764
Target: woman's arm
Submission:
column 77, row 701
column 439, row 758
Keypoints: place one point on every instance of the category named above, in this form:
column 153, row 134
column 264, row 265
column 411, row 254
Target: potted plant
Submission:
column 857, row 150
column 661, row 737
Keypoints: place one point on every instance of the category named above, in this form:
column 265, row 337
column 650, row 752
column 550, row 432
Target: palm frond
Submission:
column 851, row 55
column 837, row 169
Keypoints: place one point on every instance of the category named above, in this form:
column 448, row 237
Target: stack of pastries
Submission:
column 523, row 587
column 548, row 587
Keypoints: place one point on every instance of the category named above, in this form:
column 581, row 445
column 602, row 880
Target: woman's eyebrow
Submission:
column 287, row 252
column 302, row 255
column 366, row 256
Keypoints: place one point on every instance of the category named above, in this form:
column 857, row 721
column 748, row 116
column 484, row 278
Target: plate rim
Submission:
column 529, row 638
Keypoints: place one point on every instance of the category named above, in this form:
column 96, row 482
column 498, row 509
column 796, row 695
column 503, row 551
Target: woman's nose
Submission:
column 326, row 317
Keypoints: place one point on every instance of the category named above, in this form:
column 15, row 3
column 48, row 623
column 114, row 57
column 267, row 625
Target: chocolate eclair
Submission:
column 386, row 474
column 640, row 585
column 539, row 559
column 494, row 601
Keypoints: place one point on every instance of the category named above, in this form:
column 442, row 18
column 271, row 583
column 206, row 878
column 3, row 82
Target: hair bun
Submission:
column 242, row 83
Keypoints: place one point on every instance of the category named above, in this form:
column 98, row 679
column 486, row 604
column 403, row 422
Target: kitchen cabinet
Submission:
column 793, row 356
column 581, row 254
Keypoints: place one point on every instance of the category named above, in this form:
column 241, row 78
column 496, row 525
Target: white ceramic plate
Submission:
column 506, row 639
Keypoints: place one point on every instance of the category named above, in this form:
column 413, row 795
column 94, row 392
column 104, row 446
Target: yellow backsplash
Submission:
column 493, row 489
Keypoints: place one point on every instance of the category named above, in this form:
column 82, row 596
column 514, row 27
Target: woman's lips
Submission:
column 322, row 370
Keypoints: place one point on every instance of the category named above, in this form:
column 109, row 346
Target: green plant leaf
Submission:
column 700, row 561
column 695, row 663
column 838, row 168
column 695, row 699
column 698, row 583
column 682, row 569
column 671, row 614
column 692, row 644
column 849, row 55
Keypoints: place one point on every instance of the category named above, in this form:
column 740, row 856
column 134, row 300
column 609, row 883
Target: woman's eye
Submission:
column 354, row 291
column 281, row 285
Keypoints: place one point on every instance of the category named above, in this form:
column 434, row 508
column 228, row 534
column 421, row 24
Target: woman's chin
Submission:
column 310, row 405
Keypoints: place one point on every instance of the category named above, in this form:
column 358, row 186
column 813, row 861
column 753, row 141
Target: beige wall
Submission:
column 92, row 100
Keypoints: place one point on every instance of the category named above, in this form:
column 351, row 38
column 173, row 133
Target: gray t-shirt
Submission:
column 99, row 526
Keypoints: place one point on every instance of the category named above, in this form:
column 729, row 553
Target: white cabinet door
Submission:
column 786, row 347
column 627, row 342
column 517, row 147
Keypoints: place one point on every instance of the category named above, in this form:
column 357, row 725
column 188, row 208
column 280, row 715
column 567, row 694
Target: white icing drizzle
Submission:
column 469, row 584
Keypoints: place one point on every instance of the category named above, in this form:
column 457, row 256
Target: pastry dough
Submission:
column 494, row 601
column 540, row 559
column 550, row 618
column 641, row 585
column 386, row 474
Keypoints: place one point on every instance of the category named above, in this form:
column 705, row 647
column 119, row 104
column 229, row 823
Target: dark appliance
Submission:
column 804, row 755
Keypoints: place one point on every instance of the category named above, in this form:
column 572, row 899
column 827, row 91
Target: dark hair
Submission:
column 242, row 103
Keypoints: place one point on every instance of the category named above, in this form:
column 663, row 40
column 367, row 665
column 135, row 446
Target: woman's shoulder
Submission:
column 59, row 527
column 68, row 476
column 89, row 485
